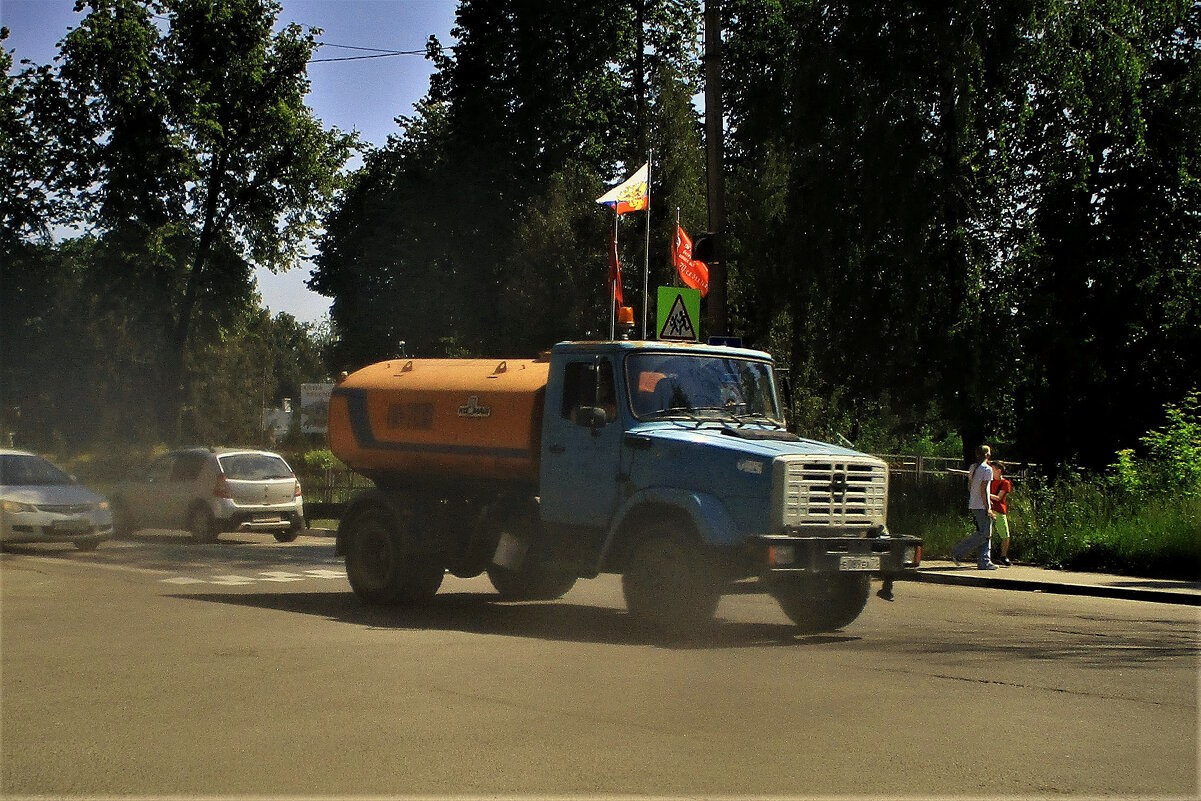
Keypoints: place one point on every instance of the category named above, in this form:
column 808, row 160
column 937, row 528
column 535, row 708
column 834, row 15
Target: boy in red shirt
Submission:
column 998, row 492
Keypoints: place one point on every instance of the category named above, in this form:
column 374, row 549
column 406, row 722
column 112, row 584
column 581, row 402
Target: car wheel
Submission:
column 285, row 536
column 294, row 531
column 201, row 525
column 122, row 520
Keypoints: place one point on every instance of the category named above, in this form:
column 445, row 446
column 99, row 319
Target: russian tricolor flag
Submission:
column 632, row 195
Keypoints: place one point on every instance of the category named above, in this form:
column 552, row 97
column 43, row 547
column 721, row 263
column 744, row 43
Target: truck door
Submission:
column 581, row 445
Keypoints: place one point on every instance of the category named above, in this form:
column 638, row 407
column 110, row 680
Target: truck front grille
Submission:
column 830, row 493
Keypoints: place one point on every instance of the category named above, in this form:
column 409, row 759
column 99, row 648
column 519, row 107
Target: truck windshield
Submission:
column 701, row 386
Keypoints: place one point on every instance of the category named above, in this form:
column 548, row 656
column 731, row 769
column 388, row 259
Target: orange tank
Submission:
column 441, row 419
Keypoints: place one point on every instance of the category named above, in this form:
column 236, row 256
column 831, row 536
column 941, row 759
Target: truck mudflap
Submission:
column 778, row 555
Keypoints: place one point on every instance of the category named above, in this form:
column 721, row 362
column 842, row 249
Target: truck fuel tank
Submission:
column 441, row 419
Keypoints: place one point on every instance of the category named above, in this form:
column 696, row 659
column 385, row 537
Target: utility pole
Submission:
column 714, row 135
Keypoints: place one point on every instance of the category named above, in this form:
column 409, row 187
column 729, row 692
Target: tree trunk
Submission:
column 174, row 389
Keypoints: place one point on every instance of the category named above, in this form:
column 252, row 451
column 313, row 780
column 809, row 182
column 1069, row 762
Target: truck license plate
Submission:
column 859, row 562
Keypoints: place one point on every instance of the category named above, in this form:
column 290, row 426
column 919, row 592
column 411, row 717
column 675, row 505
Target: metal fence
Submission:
column 921, row 466
column 335, row 485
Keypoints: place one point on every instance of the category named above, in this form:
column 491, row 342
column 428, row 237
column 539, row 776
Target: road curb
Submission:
column 1061, row 588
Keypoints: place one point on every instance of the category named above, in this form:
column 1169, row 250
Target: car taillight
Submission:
column 296, row 492
column 221, row 488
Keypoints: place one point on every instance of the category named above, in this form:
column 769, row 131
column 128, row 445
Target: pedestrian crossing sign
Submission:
column 679, row 314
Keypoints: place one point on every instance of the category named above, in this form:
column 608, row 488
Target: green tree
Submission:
column 1108, row 288
column 195, row 146
column 73, row 368
column 862, row 194
column 31, row 109
column 452, row 237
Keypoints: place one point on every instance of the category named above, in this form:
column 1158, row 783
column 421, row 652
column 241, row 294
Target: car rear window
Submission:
column 254, row 467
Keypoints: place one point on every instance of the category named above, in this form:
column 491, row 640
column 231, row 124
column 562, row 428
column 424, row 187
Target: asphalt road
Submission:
column 155, row 667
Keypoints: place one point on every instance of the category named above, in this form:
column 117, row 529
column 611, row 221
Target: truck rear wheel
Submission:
column 381, row 564
column 423, row 578
column 818, row 604
column 531, row 582
column 670, row 584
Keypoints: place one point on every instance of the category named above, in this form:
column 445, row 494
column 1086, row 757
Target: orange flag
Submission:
column 615, row 269
column 692, row 272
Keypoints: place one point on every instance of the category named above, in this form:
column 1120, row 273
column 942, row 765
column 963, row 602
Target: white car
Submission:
column 210, row 490
column 41, row 503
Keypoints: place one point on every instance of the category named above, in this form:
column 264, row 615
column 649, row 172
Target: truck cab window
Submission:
column 588, row 385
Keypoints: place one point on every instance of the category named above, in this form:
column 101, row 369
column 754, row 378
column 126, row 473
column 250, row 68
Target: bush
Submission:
column 1143, row 517
column 1172, row 465
column 323, row 459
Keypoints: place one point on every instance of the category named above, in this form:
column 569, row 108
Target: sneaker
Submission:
column 989, row 566
column 1004, row 561
column 955, row 559
column 885, row 594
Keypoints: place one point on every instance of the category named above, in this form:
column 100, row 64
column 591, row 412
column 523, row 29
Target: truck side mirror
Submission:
column 592, row 416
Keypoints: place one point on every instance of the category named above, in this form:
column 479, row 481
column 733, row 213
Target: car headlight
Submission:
column 102, row 506
column 13, row 507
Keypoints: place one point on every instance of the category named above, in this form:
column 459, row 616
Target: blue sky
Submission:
column 364, row 95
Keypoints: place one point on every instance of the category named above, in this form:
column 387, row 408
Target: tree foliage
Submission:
column 974, row 215
column 177, row 131
column 475, row 230
column 953, row 221
column 195, row 157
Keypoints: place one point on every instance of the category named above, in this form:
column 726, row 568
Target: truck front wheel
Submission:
column 670, row 583
column 819, row 604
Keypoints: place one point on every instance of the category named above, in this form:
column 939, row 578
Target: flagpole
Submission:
column 675, row 266
column 613, row 289
column 646, row 260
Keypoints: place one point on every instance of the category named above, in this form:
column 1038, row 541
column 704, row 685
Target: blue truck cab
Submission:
column 674, row 458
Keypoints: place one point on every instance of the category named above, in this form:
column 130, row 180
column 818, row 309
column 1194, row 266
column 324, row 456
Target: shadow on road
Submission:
column 483, row 613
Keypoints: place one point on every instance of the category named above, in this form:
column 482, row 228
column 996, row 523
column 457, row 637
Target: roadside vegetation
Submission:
column 1141, row 517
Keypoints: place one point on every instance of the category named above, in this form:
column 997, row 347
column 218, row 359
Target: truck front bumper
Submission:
column 784, row 554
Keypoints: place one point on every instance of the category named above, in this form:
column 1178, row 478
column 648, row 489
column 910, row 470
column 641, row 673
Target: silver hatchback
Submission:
column 41, row 503
column 210, row 490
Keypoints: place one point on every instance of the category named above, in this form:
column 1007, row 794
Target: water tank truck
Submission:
column 667, row 463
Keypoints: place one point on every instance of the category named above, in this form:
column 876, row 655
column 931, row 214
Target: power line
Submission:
column 374, row 52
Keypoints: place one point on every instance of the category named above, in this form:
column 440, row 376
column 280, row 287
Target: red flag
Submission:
column 692, row 272
column 615, row 269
